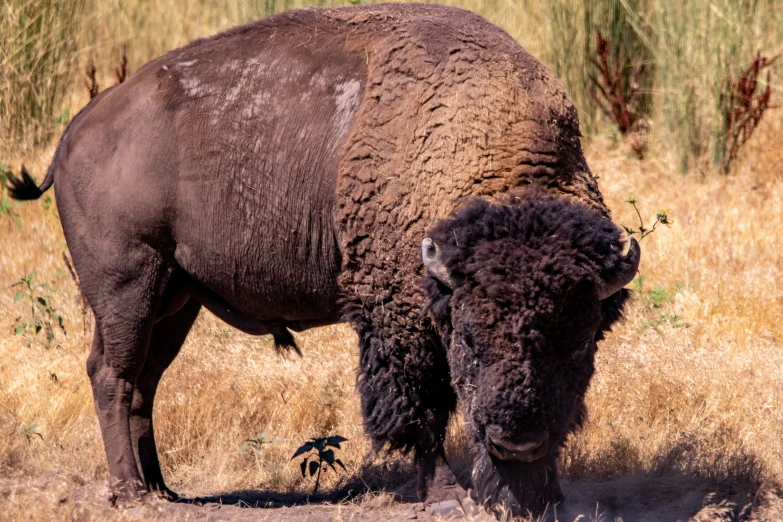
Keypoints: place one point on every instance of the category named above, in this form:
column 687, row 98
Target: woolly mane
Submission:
column 553, row 241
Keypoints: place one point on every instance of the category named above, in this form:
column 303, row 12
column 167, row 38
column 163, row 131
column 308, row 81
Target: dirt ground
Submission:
column 60, row 495
column 64, row 496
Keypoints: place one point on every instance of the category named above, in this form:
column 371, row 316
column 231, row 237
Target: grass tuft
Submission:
column 37, row 45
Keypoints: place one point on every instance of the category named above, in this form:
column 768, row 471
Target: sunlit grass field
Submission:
column 685, row 410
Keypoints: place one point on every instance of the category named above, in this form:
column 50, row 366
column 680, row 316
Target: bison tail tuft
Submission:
column 284, row 341
column 24, row 188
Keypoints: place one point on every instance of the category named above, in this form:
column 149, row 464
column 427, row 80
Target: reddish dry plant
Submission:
column 85, row 307
column 121, row 71
column 91, row 83
column 607, row 91
column 744, row 106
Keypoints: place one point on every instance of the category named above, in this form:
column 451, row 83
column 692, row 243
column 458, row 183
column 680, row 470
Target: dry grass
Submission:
column 687, row 399
column 675, row 409
column 712, row 379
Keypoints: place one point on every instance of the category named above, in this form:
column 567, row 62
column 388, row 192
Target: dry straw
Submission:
column 688, row 395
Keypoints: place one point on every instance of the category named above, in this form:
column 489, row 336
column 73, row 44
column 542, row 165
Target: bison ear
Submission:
column 623, row 273
column 430, row 256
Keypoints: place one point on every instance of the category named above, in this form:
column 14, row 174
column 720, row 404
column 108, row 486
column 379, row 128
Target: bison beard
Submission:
column 406, row 394
column 518, row 487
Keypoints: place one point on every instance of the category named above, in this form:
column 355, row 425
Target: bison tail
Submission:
column 25, row 188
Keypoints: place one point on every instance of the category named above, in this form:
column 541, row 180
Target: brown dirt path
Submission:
column 59, row 495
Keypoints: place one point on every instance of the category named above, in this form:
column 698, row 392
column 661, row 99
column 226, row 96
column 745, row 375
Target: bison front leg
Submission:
column 405, row 388
column 436, row 481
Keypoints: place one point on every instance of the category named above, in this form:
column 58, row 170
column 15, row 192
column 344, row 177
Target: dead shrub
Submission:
column 744, row 104
column 614, row 95
column 120, row 73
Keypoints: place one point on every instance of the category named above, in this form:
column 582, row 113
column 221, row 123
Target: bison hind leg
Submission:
column 168, row 336
column 284, row 341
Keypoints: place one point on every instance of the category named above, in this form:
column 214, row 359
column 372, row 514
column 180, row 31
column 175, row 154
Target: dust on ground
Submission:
column 60, row 495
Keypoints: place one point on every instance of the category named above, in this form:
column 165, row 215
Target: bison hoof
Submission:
column 457, row 509
column 444, row 497
column 444, row 486
column 124, row 495
column 165, row 493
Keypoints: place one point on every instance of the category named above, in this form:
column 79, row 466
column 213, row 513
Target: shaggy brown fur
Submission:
column 453, row 107
column 283, row 174
column 521, row 324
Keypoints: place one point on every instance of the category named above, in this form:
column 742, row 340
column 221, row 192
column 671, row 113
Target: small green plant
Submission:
column 333, row 391
column 255, row 443
column 43, row 316
column 655, row 300
column 637, row 285
column 7, row 208
column 29, row 431
column 5, row 171
column 317, row 452
column 65, row 117
column 659, row 295
column 672, row 320
column 661, row 217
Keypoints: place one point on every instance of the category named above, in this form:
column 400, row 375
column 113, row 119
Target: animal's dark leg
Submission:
column 436, row 480
column 426, row 473
column 123, row 300
column 404, row 383
column 168, row 335
column 115, row 360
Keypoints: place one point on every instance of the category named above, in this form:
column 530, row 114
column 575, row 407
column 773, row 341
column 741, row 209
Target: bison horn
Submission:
column 430, row 255
column 623, row 273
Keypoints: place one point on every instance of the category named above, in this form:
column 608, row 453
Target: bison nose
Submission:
column 528, row 447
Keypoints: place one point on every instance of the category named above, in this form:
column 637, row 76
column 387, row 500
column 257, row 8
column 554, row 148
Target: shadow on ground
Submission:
column 387, row 493
column 687, row 481
column 685, row 484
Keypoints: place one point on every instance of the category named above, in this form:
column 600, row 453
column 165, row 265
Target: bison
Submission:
column 407, row 168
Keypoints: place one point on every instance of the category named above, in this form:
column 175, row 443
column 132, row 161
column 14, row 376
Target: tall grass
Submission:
column 686, row 51
column 683, row 51
column 37, row 44
column 699, row 47
column 570, row 31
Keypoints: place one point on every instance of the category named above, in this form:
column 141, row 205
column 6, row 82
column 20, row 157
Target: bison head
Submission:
column 521, row 293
